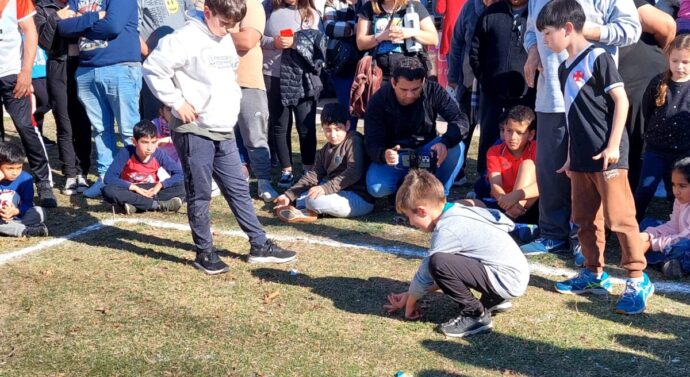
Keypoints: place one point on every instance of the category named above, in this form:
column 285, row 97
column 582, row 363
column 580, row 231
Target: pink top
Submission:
column 164, row 131
column 676, row 229
column 684, row 11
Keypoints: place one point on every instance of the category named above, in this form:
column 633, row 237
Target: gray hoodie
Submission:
column 481, row 234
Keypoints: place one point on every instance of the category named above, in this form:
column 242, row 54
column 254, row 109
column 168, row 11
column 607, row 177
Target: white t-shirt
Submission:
column 11, row 13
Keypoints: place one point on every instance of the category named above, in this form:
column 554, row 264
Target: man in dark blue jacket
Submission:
column 109, row 73
column 402, row 116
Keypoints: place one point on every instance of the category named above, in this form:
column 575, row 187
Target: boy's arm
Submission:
column 28, row 28
column 496, row 185
column 533, row 61
column 114, row 22
column 611, row 154
column 621, row 25
column 308, row 180
column 112, row 176
column 159, row 69
column 354, row 171
column 422, row 281
column 77, row 26
column 172, row 167
column 26, row 195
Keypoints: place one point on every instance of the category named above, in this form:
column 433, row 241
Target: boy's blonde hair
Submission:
column 420, row 187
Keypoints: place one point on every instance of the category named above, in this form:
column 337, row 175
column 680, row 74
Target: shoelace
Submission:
column 630, row 291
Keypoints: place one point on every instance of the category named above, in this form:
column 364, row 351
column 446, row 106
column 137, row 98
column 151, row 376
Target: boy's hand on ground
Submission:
column 23, row 86
column 315, row 192
column 391, row 155
column 282, row 201
column 187, row 113
column 441, row 153
column 396, row 301
column 609, row 156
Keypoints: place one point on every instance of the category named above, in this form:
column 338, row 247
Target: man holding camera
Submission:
column 400, row 130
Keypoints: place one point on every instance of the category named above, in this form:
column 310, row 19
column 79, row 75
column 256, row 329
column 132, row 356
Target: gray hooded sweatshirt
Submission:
column 481, row 234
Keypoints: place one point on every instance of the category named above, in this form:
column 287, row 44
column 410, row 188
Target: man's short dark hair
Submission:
column 334, row 113
column 11, row 153
column 409, row 67
column 231, row 10
column 520, row 114
column 144, row 129
column 557, row 12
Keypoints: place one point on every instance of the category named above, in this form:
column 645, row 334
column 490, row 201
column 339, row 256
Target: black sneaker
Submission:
column 286, row 179
column 172, row 205
column 210, row 263
column 672, row 269
column 270, row 253
column 463, row 325
column 46, row 198
column 38, row 230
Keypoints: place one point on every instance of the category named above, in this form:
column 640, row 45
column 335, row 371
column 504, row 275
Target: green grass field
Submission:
column 126, row 301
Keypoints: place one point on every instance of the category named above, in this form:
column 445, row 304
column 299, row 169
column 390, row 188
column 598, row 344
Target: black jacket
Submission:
column 387, row 123
column 497, row 55
column 46, row 20
column 300, row 67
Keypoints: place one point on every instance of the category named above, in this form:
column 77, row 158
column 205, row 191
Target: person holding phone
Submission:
column 287, row 18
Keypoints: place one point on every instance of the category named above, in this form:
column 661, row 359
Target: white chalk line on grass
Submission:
column 535, row 268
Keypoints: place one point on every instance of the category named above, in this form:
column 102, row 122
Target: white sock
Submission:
column 637, row 280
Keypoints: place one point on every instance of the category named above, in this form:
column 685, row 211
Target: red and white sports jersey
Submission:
column 11, row 13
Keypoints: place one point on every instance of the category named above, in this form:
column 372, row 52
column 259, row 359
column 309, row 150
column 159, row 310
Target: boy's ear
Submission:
column 532, row 133
column 347, row 125
column 421, row 211
column 569, row 27
column 134, row 141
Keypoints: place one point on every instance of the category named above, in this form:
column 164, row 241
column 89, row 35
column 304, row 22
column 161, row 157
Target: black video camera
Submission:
column 412, row 159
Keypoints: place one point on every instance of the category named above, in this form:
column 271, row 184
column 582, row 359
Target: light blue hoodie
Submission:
column 620, row 26
column 481, row 234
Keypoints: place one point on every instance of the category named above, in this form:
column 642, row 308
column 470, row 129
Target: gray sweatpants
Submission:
column 15, row 228
column 554, row 188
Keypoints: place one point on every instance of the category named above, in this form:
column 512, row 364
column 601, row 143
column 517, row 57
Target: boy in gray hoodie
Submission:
column 470, row 248
column 193, row 72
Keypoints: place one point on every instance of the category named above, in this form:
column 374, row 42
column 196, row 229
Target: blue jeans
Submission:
column 655, row 167
column 383, row 180
column 110, row 94
column 342, row 92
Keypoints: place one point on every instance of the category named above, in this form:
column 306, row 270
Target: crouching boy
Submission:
column 132, row 181
column 336, row 186
column 470, row 249
column 18, row 216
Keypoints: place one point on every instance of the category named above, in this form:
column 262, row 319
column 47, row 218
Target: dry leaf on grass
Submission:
column 103, row 310
column 269, row 297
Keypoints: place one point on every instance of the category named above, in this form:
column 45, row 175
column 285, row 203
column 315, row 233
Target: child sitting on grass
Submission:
column 336, row 186
column 668, row 244
column 132, row 181
column 511, row 171
column 470, row 249
column 18, row 216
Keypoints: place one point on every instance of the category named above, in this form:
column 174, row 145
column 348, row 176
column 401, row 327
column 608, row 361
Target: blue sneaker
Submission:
column 635, row 296
column 525, row 233
column 544, row 245
column 585, row 282
column 578, row 257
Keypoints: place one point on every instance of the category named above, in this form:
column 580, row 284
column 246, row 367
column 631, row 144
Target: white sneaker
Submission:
column 266, row 191
column 95, row 190
column 215, row 190
column 70, row 187
column 82, row 185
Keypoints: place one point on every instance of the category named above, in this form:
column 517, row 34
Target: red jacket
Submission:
column 450, row 9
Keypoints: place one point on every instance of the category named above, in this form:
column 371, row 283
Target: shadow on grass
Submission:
column 346, row 236
column 510, row 354
column 354, row 295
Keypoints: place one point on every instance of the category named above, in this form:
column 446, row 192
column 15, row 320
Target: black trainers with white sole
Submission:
column 463, row 326
column 270, row 253
column 210, row 263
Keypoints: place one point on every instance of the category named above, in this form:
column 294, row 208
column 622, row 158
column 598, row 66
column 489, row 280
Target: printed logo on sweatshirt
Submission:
column 214, row 60
column 85, row 6
column 173, row 6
